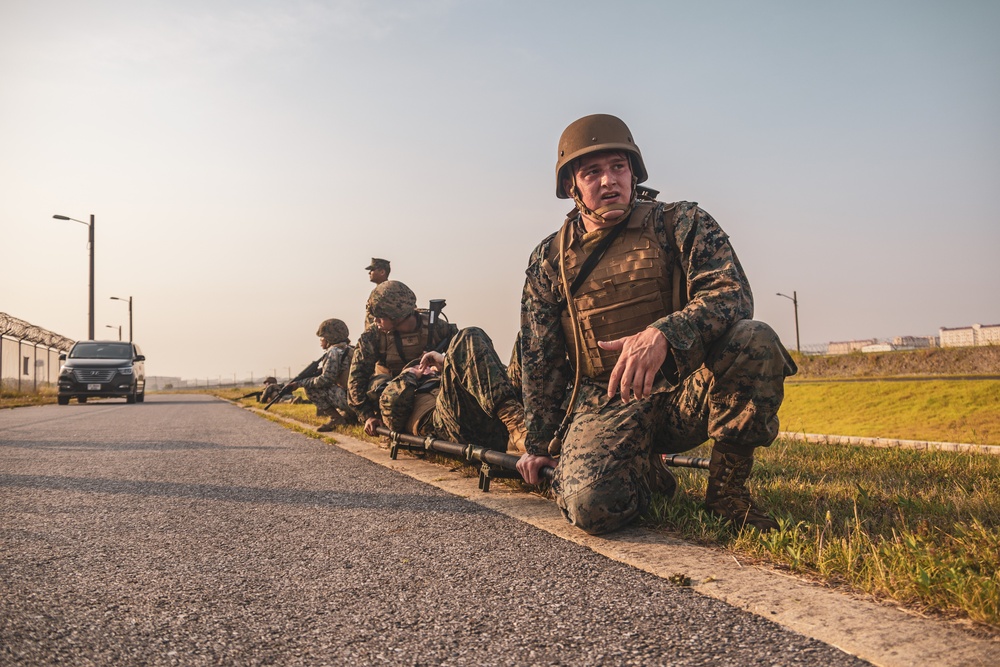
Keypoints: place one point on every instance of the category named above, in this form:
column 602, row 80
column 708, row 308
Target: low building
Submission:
column 977, row 334
column 914, row 342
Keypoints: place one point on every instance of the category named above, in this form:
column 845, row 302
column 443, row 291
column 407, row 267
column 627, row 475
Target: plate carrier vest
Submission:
column 634, row 284
column 398, row 349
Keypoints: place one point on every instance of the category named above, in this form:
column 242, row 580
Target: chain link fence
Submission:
column 29, row 355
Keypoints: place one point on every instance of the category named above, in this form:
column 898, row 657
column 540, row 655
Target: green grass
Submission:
column 918, row 528
column 11, row 398
column 939, row 411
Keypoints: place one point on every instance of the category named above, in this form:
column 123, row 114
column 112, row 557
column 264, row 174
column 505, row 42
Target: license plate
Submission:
column 93, row 387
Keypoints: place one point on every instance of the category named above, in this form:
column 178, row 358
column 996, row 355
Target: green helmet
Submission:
column 334, row 331
column 393, row 300
column 592, row 134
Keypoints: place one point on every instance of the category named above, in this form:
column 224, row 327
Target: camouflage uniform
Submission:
column 324, row 390
column 514, row 368
column 474, row 387
column 369, row 317
column 364, row 384
column 376, row 263
column 271, row 389
column 723, row 377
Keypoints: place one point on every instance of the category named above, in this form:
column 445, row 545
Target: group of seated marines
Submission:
column 636, row 341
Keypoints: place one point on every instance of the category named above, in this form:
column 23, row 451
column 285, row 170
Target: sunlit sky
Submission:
column 245, row 160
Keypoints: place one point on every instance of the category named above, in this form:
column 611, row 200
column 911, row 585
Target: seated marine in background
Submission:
column 400, row 335
column 328, row 390
column 463, row 395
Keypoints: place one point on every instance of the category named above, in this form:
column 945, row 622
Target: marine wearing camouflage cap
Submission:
column 393, row 300
column 334, row 331
column 378, row 263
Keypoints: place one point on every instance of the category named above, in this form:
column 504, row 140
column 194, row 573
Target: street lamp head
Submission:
column 66, row 217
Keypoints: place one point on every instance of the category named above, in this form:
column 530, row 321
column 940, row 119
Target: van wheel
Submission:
column 130, row 398
column 81, row 399
column 141, row 397
column 63, row 400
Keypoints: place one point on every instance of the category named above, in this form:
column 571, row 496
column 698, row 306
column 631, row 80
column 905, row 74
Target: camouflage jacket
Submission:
column 718, row 296
column 397, row 403
column 330, row 367
column 369, row 352
column 369, row 316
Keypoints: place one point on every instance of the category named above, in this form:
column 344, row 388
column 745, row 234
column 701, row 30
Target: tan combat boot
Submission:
column 511, row 414
column 336, row 419
column 728, row 496
column 660, row 479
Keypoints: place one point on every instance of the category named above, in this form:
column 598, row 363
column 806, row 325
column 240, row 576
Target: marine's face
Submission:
column 384, row 324
column 324, row 343
column 603, row 179
column 377, row 276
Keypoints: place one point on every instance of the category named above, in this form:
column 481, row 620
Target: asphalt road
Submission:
column 186, row 531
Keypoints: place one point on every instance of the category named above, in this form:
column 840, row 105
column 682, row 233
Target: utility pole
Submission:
column 795, row 302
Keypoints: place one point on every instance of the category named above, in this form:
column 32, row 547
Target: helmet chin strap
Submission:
column 600, row 213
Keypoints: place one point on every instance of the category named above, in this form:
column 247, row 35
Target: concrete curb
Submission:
column 890, row 443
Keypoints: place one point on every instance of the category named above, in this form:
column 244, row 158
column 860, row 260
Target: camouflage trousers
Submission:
column 330, row 400
column 733, row 399
column 474, row 385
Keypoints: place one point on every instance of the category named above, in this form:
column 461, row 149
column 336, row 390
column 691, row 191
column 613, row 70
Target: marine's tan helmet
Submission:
column 591, row 134
column 334, row 331
column 393, row 300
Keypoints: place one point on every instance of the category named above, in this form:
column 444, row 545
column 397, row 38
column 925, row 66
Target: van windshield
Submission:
column 101, row 351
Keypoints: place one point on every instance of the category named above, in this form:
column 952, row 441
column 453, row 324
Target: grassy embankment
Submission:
column 937, row 410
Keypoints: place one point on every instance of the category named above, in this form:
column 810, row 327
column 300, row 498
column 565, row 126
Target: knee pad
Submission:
column 605, row 503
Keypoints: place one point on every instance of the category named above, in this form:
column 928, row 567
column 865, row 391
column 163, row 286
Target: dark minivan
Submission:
column 104, row 369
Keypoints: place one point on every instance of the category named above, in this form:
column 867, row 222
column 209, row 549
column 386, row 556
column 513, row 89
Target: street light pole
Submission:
column 129, row 315
column 119, row 327
column 795, row 302
column 90, row 323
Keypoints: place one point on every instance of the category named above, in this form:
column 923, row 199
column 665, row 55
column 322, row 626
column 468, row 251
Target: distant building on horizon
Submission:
column 977, row 334
column 915, row 342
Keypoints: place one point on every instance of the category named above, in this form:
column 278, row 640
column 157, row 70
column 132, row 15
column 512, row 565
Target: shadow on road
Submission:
column 420, row 504
column 125, row 446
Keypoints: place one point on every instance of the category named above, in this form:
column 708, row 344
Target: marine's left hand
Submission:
column 642, row 354
column 432, row 362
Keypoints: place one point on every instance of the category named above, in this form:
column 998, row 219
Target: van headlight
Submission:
column 125, row 370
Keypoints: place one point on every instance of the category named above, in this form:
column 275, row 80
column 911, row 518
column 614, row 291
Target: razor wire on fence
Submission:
column 35, row 360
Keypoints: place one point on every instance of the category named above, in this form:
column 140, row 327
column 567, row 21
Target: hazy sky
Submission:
column 245, row 160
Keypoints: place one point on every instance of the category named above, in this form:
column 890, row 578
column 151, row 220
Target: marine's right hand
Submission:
column 530, row 466
column 371, row 424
